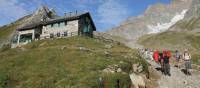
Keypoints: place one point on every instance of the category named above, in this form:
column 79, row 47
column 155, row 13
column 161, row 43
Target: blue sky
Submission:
column 105, row 13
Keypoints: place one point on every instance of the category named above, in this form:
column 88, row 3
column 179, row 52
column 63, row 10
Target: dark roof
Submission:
column 61, row 19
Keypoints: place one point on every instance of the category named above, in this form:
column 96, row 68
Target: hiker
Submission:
column 160, row 60
column 177, row 57
column 146, row 53
column 151, row 55
column 156, row 56
column 160, row 57
column 187, row 58
column 165, row 61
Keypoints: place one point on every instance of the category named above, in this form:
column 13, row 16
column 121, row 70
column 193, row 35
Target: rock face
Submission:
column 157, row 18
column 194, row 10
column 191, row 20
column 183, row 34
column 138, row 81
column 43, row 13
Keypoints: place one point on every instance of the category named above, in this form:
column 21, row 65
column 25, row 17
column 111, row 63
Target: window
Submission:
column 56, row 25
column 65, row 22
column 48, row 26
column 52, row 25
column 14, row 39
column 65, row 33
column 86, row 28
column 58, row 34
column 62, row 24
column 52, row 35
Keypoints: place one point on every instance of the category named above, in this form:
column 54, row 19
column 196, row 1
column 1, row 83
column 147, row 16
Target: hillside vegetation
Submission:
column 75, row 62
column 6, row 31
column 172, row 40
column 189, row 25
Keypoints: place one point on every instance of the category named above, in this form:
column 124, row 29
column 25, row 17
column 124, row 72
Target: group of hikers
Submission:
column 165, row 57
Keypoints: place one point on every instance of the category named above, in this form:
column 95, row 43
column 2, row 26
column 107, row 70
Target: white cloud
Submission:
column 12, row 9
column 112, row 12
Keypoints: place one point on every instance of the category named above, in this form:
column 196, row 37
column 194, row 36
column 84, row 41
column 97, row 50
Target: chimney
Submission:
column 76, row 12
column 65, row 14
column 70, row 13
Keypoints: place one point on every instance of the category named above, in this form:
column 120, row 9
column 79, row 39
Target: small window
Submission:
column 65, row 22
column 48, row 26
column 52, row 25
column 56, row 25
column 58, row 34
column 51, row 35
column 62, row 24
column 65, row 33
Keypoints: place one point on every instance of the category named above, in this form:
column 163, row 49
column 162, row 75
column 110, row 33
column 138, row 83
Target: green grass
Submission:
column 43, row 64
column 172, row 40
column 6, row 31
column 189, row 24
column 196, row 57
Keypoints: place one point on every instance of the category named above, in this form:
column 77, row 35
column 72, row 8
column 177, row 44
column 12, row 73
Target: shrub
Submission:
column 116, row 80
column 5, row 47
column 4, row 79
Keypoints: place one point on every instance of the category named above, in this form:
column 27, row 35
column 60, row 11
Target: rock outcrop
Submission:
column 157, row 18
column 41, row 14
column 191, row 20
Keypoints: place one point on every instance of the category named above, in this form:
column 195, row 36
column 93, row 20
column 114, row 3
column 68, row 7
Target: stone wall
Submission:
column 71, row 27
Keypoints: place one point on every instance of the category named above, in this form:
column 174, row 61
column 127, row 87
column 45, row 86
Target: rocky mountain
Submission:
column 43, row 13
column 191, row 20
column 185, row 34
column 157, row 18
column 194, row 10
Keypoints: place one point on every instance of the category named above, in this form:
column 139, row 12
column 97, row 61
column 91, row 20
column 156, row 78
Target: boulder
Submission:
column 63, row 47
column 108, row 46
column 137, row 81
column 119, row 70
column 84, row 49
column 107, row 53
column 138, row 68
column 113, row 69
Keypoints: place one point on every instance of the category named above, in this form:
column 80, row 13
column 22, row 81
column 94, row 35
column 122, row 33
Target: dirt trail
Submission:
column 177, row 79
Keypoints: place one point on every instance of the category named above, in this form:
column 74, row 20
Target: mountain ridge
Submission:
column 184, row 34
column 135, row 27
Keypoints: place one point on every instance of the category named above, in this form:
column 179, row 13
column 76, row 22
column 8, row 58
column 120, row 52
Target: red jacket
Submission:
column 156, row 55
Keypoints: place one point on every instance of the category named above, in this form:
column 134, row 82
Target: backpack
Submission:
column 177, row 55
column 187, row 57
column 168, row 54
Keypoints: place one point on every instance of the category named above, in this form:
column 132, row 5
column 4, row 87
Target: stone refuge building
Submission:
column 70, row 25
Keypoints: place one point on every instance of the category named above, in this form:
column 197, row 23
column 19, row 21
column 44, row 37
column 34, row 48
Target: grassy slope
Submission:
column 188, row 24
column 6, row 31
column 44, row 64
column 172, row 40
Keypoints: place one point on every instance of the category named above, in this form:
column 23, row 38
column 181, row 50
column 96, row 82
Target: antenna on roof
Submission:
column 70, row 13
column 65, row 14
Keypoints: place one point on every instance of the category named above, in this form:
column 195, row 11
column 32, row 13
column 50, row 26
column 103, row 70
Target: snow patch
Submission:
column 161, row 27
